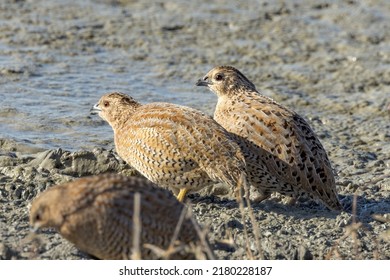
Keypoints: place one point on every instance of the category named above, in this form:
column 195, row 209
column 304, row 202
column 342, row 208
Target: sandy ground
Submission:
column 328, row 60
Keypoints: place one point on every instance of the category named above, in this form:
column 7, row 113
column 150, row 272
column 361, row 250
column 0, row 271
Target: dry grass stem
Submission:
column 174, row 246
column 202, row 234
column 243, row 215
column 178, row 227
column 136, row 250
column 255, row 225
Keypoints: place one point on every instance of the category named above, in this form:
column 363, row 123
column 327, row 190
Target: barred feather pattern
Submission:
column 96, row 214
column 282, row 152
column 174, row 146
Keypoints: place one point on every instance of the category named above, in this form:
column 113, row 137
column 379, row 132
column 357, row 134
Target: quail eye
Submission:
column 218, row 77
column 37, row 217
column 106, row 103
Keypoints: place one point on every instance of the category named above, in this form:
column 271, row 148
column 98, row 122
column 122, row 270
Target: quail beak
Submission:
column 95, row 109
column 34, row 228
column 203, row 82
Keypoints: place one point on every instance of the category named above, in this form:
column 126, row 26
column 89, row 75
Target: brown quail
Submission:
column 96, row 214
column 282, row 152
column 174, row 146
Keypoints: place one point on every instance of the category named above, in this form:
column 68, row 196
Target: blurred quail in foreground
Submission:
column 174, row 146
column 282, row 152
column 96, row 214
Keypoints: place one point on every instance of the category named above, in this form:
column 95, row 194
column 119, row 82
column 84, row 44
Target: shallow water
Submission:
column 57, row 58
column 50, row 107
column 47, row 92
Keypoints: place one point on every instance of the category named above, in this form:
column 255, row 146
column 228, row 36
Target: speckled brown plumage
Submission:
column 174, row 146
column 283, row 153
column 96, row 214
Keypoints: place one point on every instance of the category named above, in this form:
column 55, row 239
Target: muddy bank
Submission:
column 302, row 231
column 327, row 60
